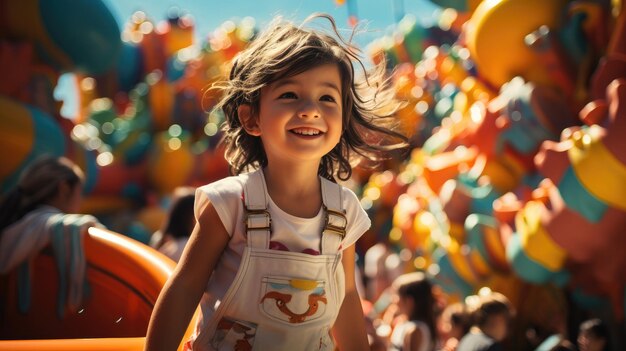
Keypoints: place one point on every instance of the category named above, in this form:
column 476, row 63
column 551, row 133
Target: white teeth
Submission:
column 306, row 131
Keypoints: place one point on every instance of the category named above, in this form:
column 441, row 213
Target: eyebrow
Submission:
column 283, row 82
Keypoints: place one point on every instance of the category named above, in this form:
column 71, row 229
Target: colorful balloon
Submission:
column 71, row 35
column 496, row 33
column 28, row 133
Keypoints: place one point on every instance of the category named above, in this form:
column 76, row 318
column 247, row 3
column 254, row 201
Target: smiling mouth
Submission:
column 306, row 131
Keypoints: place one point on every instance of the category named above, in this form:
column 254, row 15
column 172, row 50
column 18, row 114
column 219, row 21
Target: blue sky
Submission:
column 380, row 16
column 209, row 14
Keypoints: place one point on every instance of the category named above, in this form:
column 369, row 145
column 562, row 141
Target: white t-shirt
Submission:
column 174, row 248
column 226, row 195
column 400, row 331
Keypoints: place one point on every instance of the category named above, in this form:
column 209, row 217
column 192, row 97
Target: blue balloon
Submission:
column 530, row 270
column 85, row 30
column 129, row 67
column 175, row 69
column 91, row 171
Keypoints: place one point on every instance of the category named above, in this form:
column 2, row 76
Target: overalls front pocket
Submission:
column 293, row 301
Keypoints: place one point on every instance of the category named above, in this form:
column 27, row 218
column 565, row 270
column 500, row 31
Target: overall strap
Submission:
column 335, row 221
column 257, row 219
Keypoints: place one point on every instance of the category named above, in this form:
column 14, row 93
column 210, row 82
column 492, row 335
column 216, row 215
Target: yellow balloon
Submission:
column 461, row 263
column 496, row 33
column 423, row 225
column 171, row 163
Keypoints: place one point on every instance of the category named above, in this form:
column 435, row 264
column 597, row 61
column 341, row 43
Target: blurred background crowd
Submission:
column 506, row 218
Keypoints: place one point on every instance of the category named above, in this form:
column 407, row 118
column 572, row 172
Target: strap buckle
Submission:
column 256, row 214
column 333, row 227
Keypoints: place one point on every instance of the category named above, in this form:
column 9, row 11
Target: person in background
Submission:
column 593, row 336
column 415, row 328
column 491, row 314
column 454, row 324
column 378, row 273
column 178, row 224
column 41, row 211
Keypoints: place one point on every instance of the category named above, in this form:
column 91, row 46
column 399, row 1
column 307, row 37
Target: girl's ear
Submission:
column 249, row 122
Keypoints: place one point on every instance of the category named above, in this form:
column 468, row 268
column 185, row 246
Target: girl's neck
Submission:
column 295, row 189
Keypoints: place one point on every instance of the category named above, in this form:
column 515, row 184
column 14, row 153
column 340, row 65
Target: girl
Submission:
column 454, row 324
column 38, row 212
column 416, row 308
column 491, row 314
column 278, row 243
column 594, row 335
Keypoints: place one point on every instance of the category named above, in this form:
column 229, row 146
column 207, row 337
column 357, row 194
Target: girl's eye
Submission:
column 288, row 95
column 327, row 98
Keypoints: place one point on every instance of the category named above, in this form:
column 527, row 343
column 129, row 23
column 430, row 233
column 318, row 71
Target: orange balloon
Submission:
column 161, row 97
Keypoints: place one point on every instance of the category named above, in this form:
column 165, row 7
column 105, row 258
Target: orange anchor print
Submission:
column 283, row 299
column 247, row 333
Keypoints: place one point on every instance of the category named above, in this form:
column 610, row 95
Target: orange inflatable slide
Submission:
column 125, row 278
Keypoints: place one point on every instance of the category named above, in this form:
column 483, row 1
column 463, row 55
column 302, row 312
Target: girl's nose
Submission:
column 309, row 109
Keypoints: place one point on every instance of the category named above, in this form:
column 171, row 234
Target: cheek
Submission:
column 336, row 124
column 336, row 136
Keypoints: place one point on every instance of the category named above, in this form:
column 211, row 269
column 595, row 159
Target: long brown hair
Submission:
column 180, row 217
column 418, row 288
column 38, row 184
column 284, row 50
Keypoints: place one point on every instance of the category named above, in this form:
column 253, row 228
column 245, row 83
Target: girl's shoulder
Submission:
column 228, row 187
column 347, row 195
column 351, row 202
column 226, row 196
column 357, row 219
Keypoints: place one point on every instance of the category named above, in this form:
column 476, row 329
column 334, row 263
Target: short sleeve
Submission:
column 225, row 196
column 358, row 220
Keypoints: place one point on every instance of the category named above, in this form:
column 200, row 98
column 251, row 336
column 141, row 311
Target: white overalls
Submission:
column 281, row 300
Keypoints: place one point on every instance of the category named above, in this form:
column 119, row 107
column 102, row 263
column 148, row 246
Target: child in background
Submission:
column 593, row 336
column 377, row 270
column 415, row 331
column 454, row 324
column 272, row 254
column 177, row 227
column 40, row 211
column 491, row 314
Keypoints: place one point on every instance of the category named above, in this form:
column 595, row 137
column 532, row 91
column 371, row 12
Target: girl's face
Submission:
column 300, row 117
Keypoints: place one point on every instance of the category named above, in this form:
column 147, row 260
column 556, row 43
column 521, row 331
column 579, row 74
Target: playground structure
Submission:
column 124, row 279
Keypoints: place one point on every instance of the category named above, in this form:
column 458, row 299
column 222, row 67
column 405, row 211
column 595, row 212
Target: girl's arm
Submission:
column 183, row 290
column 349, row 328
